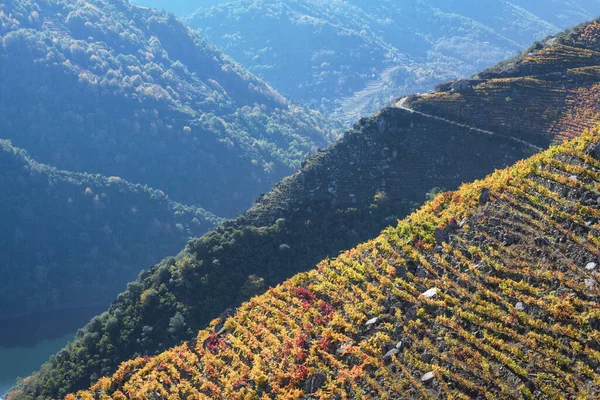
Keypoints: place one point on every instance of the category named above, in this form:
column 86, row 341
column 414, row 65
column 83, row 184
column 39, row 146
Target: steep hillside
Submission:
column 487, row 292
column 341, row 197
column 557, row 79
column 106, row 87
column 352, row 57
column 75, row 240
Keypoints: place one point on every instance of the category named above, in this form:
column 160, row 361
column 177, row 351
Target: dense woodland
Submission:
column 350, row 58
column 106, row 87
column 377, row 173
column 74, row 240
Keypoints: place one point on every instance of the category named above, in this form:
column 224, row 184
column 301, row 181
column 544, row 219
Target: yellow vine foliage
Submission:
column 504, row 304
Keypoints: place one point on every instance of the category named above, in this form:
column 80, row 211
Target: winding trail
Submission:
column 401, row 105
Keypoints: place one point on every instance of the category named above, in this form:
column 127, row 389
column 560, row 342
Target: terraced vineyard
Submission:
column 490, row 291
column 502, row 105
column 550, row 91
column 340, row 198
column 582, row 112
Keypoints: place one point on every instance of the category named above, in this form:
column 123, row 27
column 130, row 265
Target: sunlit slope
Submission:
column 550, row 91
column 340, row 198
column 487, row 291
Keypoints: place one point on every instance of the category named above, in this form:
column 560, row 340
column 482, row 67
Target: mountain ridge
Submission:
column 394, row 49
column 127, row 91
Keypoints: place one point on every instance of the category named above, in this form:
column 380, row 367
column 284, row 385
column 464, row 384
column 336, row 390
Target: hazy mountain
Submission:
column 343, row 196
column 106, row 87
column 179, row 7
column 350, row 58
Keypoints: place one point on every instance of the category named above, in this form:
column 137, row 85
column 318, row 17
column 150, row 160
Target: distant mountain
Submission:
column 74, row 240
column 106, row 87
column 350, row 58
column 179, row 7
column 490, row 291
column 341, row 197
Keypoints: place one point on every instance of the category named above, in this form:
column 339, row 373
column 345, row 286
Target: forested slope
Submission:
column 73, row 240
column 102, row 86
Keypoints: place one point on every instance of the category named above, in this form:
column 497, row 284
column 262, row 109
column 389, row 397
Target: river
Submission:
column 18, row 362
column 27, row 342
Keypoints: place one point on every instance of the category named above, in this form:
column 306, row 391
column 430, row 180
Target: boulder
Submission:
column 594, row 151
column 484, row 198
column 388, row 356
column 431, row 293
column 591, row 266
column 427, row 377
column 440, row 236
column 590, row 283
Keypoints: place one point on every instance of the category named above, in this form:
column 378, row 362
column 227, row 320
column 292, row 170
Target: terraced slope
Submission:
column 340, row 197
column 487, row 292
column 556, row 80
column 75, row 240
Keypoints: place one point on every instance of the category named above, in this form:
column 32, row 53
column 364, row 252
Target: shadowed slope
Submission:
column 75, row 240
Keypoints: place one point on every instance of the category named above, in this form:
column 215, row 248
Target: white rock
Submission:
column 427, row 377
column 520, row 306
column 372, row 321
column 573, row 178
column 391, row 353
column 430, row 293
column 590, row 283
column 591, row 266
column 344, row 346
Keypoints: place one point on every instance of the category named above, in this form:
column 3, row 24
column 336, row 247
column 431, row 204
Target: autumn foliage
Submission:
column 513, row 314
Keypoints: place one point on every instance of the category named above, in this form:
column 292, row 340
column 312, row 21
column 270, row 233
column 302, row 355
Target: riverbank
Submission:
column 27, row 342
column 20, row 362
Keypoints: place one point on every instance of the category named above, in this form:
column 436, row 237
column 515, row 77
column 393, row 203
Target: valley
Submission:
column 316, row 208
column 349, row 59
column 377, row 174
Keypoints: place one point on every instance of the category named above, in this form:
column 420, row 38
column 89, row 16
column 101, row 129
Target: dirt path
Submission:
column 401, row 104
